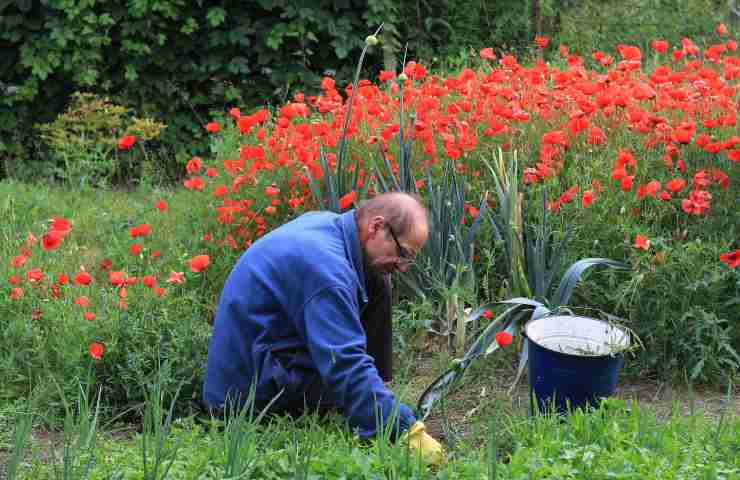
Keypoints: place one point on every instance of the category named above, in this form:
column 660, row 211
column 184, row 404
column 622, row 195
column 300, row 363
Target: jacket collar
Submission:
column 353, row 248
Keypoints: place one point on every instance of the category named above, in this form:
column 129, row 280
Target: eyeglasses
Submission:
column 403, row 254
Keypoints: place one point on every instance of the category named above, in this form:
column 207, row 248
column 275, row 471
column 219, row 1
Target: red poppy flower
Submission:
column 213, row 127
column 596, row 136
column 487, row 54
column 542, row 42
column 89, row 316
column 626, row 183
column 96, row 349
column 30, row 241
column 641, row 242
column 347, row 200
column 176, row 277
column 150, row 281
column 386, row 75
column 194, row 183
column 272, row 190
column 82, row 301
column 199, row 263
column 161, row 205
column 731, row 258
column 61, row 225
column 488, row 313
column 106, row 264
column 159, row 291
column 721, row 29
column 194, row 165
column 660, row 46
column 588, row 198
column 117, row 278
column 127, row 142
column 16, row 293
column 62, row 279
column 51, row 240
column 18, row 261
column 503, row 338
column 83, row 278
column 652, row 188
column 14, row 280
column 35, row 275
column 135, row 249
column 675, row 185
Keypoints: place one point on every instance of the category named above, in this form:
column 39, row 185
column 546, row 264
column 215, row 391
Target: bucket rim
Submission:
column 624, row 337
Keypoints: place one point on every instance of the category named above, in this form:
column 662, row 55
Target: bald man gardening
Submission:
column 305, row 315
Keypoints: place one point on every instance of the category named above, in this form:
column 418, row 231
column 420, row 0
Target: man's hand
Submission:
column 419, row 440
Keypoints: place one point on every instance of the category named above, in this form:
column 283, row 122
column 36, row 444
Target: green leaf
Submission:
column 130, row 73
column 190, row 26
column 509, row 320
column 216, row 16
column 573, row 275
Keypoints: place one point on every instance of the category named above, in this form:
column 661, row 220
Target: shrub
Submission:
column 86, row 139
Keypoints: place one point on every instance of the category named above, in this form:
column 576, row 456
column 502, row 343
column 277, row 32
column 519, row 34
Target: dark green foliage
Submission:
column 178, row 61
column 601, row 25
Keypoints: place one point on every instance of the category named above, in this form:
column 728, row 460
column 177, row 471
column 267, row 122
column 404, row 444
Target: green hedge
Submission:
column 172, row 60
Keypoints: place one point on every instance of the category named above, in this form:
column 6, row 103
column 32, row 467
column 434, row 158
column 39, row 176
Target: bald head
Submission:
column 393, row 228
column 401, row 210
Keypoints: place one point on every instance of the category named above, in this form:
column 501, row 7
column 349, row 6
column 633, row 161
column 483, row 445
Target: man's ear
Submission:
column 375, row 225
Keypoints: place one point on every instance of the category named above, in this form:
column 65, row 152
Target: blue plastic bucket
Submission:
column 573, row 361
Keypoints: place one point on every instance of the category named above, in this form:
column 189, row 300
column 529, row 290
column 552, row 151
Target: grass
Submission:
column 621, row 440
column 86, row 440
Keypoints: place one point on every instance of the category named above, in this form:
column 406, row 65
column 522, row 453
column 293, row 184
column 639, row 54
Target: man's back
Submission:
column 296, row 295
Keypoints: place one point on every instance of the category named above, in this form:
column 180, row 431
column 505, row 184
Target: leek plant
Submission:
column 21, row 435
column 157, row 453
column 444, row 267
column 241, row 438
column 80, row 438
column 533, row 259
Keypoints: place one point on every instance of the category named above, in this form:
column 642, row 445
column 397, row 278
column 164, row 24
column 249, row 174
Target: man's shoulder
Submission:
column 315, row 230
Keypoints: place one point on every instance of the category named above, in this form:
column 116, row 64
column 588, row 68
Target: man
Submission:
column 305, row 317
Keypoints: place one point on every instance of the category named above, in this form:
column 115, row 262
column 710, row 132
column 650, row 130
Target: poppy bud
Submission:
column 371, row 40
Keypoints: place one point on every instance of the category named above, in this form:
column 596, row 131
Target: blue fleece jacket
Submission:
column 299, row 290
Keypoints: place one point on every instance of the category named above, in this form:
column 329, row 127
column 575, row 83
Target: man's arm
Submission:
column 330, row 325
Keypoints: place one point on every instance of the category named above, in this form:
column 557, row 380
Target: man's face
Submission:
column 387, row 251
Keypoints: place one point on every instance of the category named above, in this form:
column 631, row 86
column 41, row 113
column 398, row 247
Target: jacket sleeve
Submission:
column 330, row 325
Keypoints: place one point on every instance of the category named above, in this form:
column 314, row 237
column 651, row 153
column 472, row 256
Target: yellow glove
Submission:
column 418, row 439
